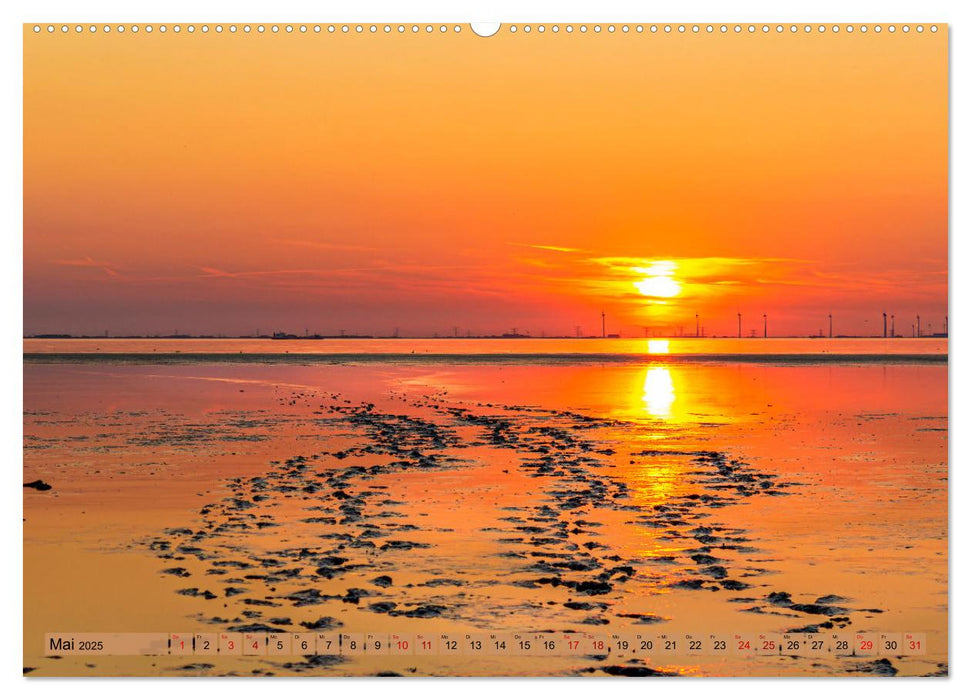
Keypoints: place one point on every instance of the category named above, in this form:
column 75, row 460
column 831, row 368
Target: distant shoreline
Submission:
column 508, row 336
column 183, row 358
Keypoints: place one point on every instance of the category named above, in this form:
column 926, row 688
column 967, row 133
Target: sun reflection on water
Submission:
column 659, row 392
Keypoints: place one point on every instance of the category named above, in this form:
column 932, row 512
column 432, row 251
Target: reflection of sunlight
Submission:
column 658, row 392
column 657, row 347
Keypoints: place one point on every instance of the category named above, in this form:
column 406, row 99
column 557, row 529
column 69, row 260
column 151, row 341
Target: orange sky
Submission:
column 220, row 183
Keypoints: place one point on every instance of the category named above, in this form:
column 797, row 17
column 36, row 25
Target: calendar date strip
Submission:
column 539, row 644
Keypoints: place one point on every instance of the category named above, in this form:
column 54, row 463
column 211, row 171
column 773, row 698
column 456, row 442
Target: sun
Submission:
column 658, row 287
column 659, row 280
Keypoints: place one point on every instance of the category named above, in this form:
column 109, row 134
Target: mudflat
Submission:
column 463, row 497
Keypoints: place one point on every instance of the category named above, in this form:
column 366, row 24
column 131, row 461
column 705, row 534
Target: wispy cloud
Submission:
column 88, row 262
column 551, row 248
column 243, row 274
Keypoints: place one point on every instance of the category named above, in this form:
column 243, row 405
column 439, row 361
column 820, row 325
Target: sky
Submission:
column 438, row 183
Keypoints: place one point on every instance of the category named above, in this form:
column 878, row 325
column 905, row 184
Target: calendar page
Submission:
column 517, row 349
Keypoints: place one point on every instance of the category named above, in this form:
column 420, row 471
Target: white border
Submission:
column 821, row 11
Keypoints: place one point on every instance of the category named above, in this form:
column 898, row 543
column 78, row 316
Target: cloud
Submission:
column 390, row 280
column 552, row 248
column 216, row 272
column 88, row 262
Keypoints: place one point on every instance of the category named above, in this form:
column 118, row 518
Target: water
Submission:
column 505, row 463
column 489, row 350
column 851, row 501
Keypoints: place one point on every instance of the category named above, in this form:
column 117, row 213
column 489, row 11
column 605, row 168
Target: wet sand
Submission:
column 470, row 498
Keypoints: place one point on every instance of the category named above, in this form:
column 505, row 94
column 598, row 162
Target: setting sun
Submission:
column 660, row 280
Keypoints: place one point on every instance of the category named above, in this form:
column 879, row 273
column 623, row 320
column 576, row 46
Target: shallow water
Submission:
column 495, row 497
column 516, row 350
